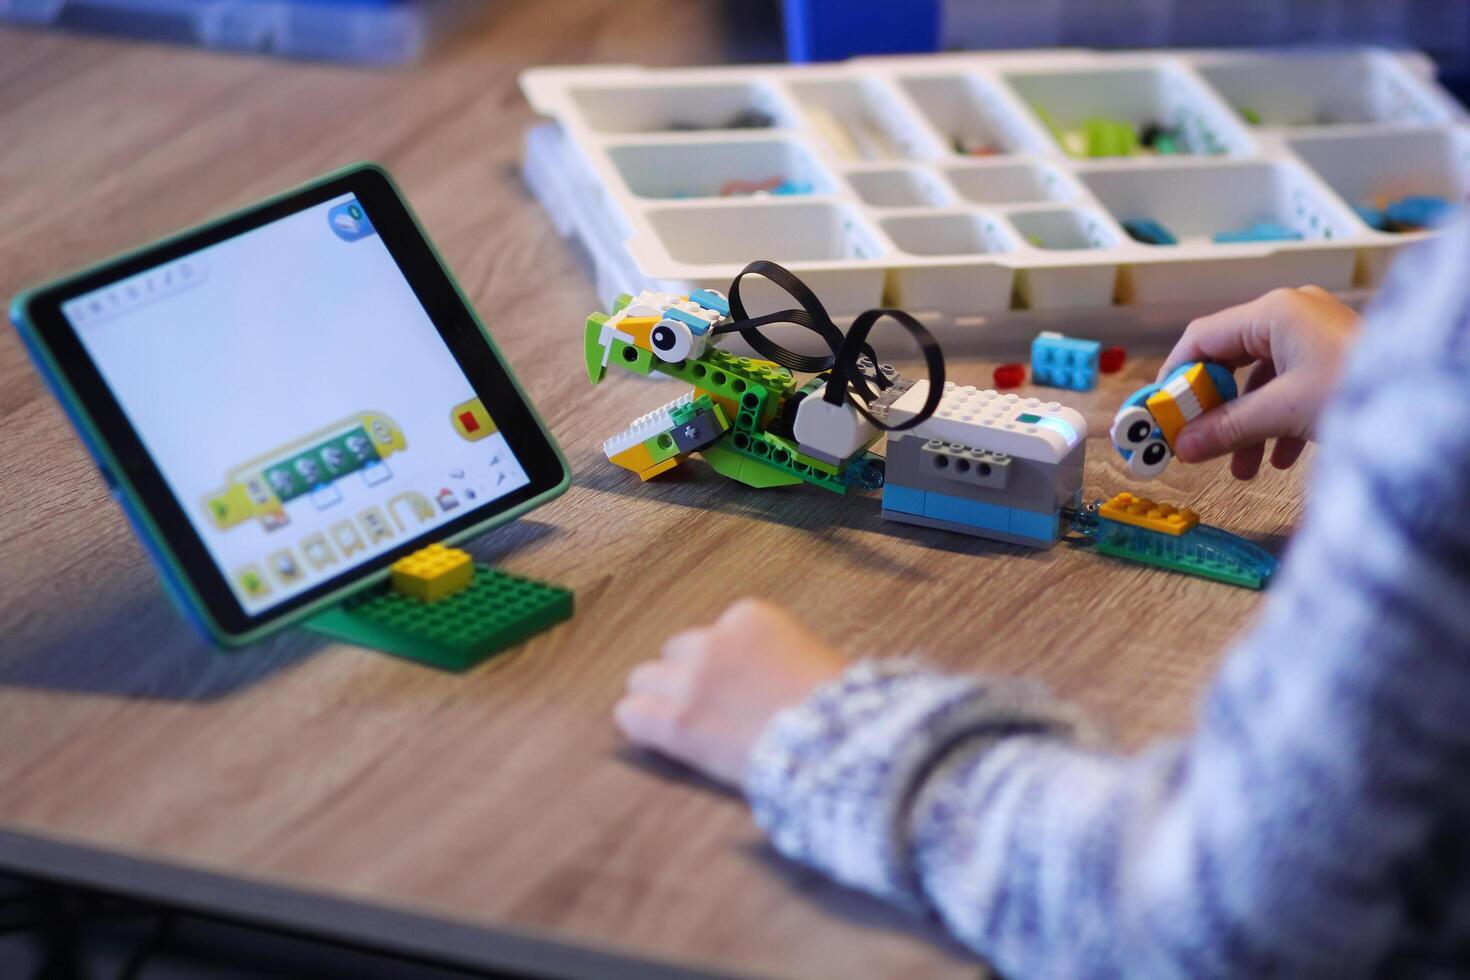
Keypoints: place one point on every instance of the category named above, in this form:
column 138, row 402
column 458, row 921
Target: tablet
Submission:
column 289, row 399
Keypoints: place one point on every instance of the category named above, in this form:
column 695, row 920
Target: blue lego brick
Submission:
column 958, row 510
column 1149, row 232
column 1417, row 211
column 710, row 301
column 1261, row 231
column 1029, row 524
column 696, row 326
column 905, row 499
column 1064, row 362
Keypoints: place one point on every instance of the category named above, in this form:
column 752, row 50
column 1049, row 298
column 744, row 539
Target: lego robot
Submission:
column 747, row 417
column 1144, row 429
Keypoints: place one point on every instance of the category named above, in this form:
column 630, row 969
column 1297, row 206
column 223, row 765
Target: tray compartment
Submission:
column 1158, row 94
column 861, row 119
column 1365, row 167
column 969, row 111
column 705, row 169
column 673, row 107
column 785, row 232
column 1010, row 183
column 964, row 282
column 899, row 187
column 1058, row 279
column 1324, row 89
column 1196, row 201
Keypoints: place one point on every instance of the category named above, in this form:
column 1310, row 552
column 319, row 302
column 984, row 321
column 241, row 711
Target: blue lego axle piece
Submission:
column 1261, row 231
column 1064, row 362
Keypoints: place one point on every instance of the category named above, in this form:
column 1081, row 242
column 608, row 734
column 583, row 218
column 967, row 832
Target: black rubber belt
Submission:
column 845, row 350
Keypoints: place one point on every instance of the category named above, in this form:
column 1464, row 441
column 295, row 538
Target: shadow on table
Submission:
column 802, row 508
column 133, row 643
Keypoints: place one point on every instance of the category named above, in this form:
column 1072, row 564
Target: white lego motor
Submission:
column 831, row 432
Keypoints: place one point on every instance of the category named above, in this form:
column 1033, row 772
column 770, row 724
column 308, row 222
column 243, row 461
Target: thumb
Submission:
column 1246, row 421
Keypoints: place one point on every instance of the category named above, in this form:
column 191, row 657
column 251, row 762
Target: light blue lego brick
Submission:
column 1029, row 524
column 695, row 324
column 958, row 510
column 1064, row 362
column 905, row 499
column 710, row 301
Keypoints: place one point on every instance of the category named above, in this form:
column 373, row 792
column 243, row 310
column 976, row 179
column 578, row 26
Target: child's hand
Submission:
column 1296, row 338
column 706, row 701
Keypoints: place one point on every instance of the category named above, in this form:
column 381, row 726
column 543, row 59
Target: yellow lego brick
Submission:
column 636, row 458
column 1125, row 508
column 433, row 573
column 658, row 468
column 1203, row 387
column 1166, row 413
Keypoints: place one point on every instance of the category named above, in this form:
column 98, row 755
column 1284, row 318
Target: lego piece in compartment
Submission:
column 1149, row 232
column 1064, row 362
column 1261, row 231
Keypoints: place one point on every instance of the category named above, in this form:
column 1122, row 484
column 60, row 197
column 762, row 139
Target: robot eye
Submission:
column 1149, row 460
column 671, row 340
column 1131, row 427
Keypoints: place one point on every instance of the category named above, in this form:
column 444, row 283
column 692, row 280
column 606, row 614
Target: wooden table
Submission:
column 495, row 817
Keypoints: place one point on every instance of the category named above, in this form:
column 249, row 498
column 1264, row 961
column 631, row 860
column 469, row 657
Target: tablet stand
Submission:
column 441, row 608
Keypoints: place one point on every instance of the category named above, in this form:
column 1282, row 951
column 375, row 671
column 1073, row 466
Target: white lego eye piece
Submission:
column 1149, row 460
column 1132, row 427
column 672, row 340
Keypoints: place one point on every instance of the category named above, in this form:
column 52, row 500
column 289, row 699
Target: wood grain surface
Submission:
column 502, row 799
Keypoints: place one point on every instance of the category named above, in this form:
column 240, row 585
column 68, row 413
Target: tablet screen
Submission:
column 297, row 399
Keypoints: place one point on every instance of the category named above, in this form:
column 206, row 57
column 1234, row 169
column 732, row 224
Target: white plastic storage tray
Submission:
column 880, row 203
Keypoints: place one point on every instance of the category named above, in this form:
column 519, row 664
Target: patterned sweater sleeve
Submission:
column 1275, row 839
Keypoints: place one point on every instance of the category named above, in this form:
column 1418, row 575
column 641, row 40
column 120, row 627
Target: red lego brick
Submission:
column 1110, row 361
column 1010, row 376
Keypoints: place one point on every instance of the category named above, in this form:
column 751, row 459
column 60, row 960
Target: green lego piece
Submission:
column 1250, row 115
column 747, row 469
column 1205, row 551
column 1109, row 137
column 619, row 352
column 496, row 610
column 661, row 447
column 733, row 377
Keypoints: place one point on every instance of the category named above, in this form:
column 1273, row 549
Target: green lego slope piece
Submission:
column 495, row 611
column 746, row 469
column 1204, row 551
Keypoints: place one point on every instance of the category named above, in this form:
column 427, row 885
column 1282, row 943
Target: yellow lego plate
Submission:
column 1125, row 508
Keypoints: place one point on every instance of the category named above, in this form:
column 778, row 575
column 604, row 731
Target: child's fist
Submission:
column 706, row 700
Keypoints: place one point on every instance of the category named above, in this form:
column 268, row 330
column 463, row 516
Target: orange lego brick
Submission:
column 1125, row 508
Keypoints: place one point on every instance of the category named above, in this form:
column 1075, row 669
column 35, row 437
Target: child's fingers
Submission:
column 659, row 677
column 1247, row 421
column 1287, row 451
column 1233, row 337
column 1246, row 463
column 649, row 720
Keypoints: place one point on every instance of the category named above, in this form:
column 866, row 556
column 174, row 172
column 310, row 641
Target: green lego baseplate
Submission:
column 496, row 610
